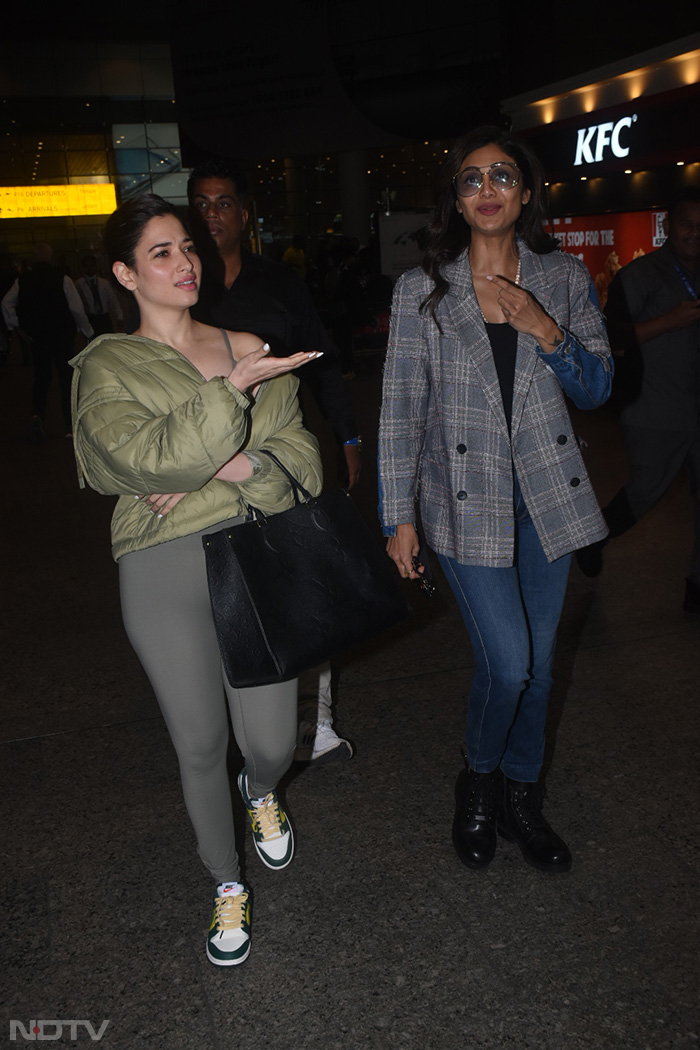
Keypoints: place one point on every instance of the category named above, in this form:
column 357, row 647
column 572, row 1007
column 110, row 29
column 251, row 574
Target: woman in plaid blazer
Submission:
column 487, row 339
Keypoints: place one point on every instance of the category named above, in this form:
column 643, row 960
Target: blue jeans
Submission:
column 512, row 615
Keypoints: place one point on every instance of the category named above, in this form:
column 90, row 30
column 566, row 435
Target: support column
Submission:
column 296, row 217
column 354, row 194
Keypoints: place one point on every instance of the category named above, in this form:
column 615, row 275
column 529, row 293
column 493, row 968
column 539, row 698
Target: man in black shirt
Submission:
column 246, row 292
column 653, row 316
column 44, row 304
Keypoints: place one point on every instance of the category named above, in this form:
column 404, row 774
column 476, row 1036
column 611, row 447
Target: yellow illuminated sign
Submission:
column 39, row 202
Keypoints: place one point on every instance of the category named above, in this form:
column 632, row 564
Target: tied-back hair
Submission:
column 124, row 228
column 449, row 235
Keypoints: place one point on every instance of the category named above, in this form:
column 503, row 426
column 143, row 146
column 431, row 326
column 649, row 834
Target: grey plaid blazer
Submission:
column 443, row 435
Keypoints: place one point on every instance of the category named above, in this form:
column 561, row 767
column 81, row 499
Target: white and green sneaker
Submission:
column 228, row 940
column 272, row 833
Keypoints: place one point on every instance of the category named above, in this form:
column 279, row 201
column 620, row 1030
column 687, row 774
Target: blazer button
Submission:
column 461, row 449
column 461, row 494
column 562, row 439
column 574, row 482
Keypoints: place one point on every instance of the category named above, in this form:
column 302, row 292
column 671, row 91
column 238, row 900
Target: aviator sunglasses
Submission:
column 503, row 176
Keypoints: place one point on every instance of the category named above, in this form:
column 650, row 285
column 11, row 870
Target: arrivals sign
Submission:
column 39, row 202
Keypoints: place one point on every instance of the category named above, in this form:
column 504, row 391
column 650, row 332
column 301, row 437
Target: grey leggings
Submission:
column 168, row 619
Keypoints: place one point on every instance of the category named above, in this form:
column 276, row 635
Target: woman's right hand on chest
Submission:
column 256, row 367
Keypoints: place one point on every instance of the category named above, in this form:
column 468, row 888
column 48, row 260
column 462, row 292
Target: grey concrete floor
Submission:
column 376, row 936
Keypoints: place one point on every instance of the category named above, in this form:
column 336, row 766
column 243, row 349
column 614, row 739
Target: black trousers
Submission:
column 48, row 354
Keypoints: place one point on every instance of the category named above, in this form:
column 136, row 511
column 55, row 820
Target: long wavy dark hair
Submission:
column 449, row 235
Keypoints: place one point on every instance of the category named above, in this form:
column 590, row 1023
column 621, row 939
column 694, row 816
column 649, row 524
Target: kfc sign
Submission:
column 592, row 142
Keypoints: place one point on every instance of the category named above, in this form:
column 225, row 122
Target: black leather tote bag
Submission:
column 290, row 590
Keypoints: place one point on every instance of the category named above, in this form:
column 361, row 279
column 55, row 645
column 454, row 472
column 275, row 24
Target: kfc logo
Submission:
column 592, row 142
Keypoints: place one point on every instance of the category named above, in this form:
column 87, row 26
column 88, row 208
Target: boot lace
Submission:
column 527, row 805
column 481, row 799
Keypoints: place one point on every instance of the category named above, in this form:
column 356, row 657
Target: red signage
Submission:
column 608, row 242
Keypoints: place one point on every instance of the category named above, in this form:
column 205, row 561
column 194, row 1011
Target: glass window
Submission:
column 163, row 135
column 172, row 186
column 87, row 162
column 129, row 136
column 44, row 166
column 133, row 184
column 86, row 142
column 131, row 160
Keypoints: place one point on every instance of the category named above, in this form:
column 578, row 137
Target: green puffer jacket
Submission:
column 144, row 421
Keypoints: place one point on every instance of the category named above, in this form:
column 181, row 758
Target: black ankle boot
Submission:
column 474, row 826
column 521, row 821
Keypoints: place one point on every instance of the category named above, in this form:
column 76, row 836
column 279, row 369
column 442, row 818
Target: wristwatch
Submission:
column 357, row 441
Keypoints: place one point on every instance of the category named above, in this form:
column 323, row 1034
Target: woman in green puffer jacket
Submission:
column 171, row 419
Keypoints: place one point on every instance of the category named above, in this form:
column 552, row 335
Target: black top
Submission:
column 269, row 299
column 504, row 343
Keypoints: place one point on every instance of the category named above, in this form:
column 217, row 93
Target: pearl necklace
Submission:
column 516, row 282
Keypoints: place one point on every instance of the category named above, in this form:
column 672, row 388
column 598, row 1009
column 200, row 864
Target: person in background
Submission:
column 43, row 305
column 653, row 314
column 487, row 339
column 295, row 256
column 174, row 420
column 245, row 291
column 101, row 304
column 8, row 276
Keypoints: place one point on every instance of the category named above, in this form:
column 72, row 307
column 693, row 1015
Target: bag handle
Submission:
column 297, row 486
column 301, row 495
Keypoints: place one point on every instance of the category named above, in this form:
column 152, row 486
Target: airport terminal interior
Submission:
column 376, row 937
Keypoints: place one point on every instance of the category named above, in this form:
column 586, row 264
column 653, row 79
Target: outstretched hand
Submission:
column 256, row 367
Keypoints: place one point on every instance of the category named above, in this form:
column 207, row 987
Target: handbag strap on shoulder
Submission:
column 297, row 487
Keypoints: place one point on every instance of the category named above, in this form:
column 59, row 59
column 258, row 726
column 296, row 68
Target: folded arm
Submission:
column 123, row 447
